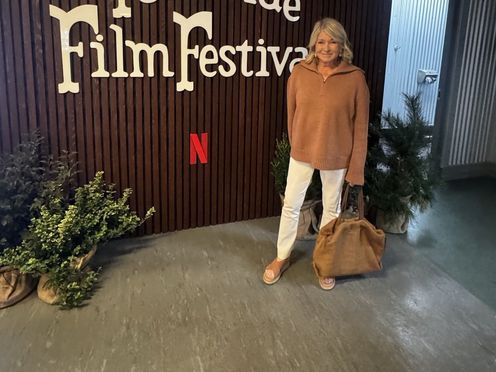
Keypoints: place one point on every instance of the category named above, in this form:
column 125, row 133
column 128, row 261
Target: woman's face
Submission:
column 327, row 49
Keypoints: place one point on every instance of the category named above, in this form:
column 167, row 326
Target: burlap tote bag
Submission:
column 348, row 246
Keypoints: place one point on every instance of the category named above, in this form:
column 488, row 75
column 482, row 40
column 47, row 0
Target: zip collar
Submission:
column 343, row 68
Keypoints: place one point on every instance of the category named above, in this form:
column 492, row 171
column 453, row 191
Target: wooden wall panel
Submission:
column 137, row 129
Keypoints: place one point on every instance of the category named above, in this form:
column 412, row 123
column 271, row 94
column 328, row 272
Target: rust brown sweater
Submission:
column 328, row 120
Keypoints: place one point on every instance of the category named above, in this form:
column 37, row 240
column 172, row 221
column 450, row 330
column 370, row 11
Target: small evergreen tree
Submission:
column 400, row 172
column 29, row 176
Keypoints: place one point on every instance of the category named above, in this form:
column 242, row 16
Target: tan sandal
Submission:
column 277, row 276
column 327, row 283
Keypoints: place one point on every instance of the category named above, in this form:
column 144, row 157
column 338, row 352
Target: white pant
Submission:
column 299, row 177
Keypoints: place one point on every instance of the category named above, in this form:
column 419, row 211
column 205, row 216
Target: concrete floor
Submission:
column 194, row 301
column 459, row 235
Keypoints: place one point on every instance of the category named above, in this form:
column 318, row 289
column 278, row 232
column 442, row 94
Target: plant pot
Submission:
column 80, row 263
column 48, row 294
column 398, row 225
column 308, row 220
column 14, row 286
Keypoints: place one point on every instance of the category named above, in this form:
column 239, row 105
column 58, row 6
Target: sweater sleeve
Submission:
column 355, row 174
column 291, row 103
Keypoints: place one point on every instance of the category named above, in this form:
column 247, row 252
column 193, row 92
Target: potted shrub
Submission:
column 23, row 177
column 400, row 172
column 64, row 235
column 311, row 209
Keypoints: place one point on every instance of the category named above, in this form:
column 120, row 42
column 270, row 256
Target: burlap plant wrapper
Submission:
column 14, row 286
column 48, row 294
column 81, row 262
column 399, row 225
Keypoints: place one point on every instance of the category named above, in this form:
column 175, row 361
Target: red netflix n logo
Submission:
column 197, row 149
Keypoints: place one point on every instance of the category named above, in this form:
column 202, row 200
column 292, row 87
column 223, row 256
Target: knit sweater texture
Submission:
column 328, row 118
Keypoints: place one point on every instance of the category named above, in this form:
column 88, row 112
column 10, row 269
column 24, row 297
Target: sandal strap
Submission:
column 272, row 264
column 276, row 274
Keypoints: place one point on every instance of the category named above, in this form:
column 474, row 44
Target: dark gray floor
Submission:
column 459, row 235
column 193, row 301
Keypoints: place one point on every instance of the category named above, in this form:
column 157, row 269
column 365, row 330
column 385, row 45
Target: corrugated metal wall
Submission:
column 416, row 41
column 492, row 139
column 473, row 105
column 138, row 129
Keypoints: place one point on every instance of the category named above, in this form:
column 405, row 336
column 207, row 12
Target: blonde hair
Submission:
column 336, row 31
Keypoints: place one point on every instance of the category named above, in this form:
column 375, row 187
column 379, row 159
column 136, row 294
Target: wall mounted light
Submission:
column 427, row 76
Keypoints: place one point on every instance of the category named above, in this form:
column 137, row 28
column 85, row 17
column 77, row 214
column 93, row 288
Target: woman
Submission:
column 328, row 111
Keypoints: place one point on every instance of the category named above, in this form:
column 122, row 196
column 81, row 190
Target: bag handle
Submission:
column 344, row 201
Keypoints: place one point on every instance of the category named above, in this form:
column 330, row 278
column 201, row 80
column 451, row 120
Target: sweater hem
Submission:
column 320, row 164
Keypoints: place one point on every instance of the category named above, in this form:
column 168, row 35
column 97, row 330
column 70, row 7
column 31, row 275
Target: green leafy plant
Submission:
column 65, row 231
column 21, row 175
column 400, row 171
column 72, row 285
column 58, row 184
column 28, row 178
column 280, row 167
